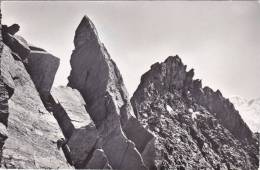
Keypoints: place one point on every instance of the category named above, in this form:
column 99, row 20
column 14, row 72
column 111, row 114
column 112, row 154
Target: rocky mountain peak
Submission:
column 172, row 121
column 95, row 75
column 168, row 75
column 171, row 76
column 85, row 33
column 170, row 103
column 173, row 59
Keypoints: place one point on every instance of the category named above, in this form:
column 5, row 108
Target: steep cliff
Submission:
column 196, row 127
column 32, row 131
column 172, row 122
column 99, row 133
column 98, row 79
column 28, row 132
column 76, row 124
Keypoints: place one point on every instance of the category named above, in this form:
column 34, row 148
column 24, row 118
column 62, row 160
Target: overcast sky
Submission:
column 220, row 40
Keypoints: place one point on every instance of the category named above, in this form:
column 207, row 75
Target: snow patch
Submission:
column 193, row 114
column 157, row 129
column 169, row 108
column 145, row 115
column 190, row 110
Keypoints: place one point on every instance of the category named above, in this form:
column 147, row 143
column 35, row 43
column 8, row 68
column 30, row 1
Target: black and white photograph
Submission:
column 130, row 85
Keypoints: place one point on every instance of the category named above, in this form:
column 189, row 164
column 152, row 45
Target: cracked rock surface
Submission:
column 76, row 124
column 99, row 81
column 195, row 127
column 32, row 131
column 172, row 122
column 28, row 133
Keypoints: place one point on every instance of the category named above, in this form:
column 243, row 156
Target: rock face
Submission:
column 196, row 127
column 28, row 133
column 98, row 160
column 170, row 123
column 98, row 79
column 32, row 131
column 76, row 124
column 42, row 67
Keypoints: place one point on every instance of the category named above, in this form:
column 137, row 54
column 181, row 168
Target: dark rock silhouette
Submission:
column 11, row 29
column 18, row 46
column 62, row 143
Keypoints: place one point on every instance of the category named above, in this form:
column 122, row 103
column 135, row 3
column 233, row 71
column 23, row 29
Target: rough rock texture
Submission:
column 4, row 112
column 98, row 79
column 98, row 161
column 224, row 110
column 6, row 90
column 76, row 124
column 180, row 125
column 196, row 127
column 42, row 67
column 28, row 133
column 18, row 47
column 32, row 131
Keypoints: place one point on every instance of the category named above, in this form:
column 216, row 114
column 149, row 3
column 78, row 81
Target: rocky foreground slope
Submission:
column 170, row 123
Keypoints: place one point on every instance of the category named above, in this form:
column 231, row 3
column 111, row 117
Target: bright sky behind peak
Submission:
column 220, row 40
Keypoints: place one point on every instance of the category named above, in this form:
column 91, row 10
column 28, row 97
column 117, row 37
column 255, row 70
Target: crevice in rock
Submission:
column 26, row 111
column 60, row 115
column 81, row 135
column 62, row 118
column 87, row 159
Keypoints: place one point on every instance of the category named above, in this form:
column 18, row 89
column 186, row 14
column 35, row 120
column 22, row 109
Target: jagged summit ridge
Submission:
column 196, row 127
column 171, row 74
column 91, row 124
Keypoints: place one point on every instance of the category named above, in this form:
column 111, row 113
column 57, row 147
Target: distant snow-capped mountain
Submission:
column 249, row 111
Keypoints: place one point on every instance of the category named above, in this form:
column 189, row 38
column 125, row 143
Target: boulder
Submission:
column 42, row 67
